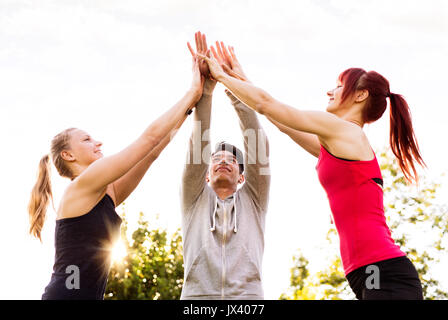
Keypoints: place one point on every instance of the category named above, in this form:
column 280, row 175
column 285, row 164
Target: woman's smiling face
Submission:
column 84, row 148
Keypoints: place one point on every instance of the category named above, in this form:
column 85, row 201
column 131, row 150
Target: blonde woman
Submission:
column 87, row 224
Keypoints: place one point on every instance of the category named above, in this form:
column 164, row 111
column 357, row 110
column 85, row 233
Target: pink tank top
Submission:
column 356, row 202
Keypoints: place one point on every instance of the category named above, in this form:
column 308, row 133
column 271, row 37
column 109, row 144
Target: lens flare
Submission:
column 119, row 252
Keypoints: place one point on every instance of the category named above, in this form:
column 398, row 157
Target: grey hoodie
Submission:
column 223, row 240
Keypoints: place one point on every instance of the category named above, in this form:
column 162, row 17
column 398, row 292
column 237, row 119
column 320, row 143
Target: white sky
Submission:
column 112, row 67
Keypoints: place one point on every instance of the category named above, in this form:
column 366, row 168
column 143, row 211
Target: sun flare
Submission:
column 118, row 252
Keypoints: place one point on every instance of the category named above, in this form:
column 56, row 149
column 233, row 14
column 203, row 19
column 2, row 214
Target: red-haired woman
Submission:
column 87, row 224
column 347, row 168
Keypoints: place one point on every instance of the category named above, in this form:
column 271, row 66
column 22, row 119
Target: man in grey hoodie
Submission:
column 223, row 226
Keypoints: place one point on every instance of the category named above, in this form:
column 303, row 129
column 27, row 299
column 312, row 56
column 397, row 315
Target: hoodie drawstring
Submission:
column 234, row 209
column 213, row 228
column 214, row 215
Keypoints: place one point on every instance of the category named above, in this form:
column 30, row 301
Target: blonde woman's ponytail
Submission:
column 40, row 198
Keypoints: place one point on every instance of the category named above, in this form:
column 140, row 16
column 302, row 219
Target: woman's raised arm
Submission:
column 106, row 170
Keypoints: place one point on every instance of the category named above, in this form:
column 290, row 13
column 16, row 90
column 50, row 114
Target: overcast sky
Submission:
column 112, row 67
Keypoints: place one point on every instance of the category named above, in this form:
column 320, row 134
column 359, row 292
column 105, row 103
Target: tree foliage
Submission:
column 418, row 222
column 152, row 268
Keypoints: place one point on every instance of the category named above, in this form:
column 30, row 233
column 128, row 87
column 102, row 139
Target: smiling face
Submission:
column 84, row 150
column 224, row 170
column 335, row 97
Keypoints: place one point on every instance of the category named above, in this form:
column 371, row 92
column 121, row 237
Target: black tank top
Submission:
column 83, row 253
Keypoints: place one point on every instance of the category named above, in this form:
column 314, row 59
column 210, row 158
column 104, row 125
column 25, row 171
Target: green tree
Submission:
column 418, row 221
column 153, row 267
column 419, row 224
column 301, row 288
column 327, row 284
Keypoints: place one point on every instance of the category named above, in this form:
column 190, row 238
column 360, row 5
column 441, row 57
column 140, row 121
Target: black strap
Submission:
column 378, row 180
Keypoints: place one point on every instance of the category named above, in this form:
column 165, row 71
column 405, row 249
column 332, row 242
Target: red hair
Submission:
column 402, row 138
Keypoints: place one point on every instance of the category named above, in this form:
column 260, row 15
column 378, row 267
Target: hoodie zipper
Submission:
column 223, row 261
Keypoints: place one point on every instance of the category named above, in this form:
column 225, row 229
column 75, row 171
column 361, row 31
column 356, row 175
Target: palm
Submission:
column 203, row 68
column 201, row 48
column 198, row 80
column 228, row 59
column 239, row 70
column 215, row 68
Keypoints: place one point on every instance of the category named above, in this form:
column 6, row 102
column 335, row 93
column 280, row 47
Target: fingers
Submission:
column 227, row 70
column 230, row 72
column 196, row 39
column 204, row 43
column 214, row 53
column 201, row 42
column 218, row 47
column 226, row 54
column 200, row 48
column 232, row 52
column 193, row 54
column 206, row 57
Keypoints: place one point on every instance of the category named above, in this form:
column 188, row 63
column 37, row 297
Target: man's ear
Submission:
column 207, row 178
column 361, row 95
column 67, row 155
column 241, row 179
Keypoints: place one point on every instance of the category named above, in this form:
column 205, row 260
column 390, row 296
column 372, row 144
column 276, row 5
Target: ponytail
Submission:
column 40, row 197
column 402, row 138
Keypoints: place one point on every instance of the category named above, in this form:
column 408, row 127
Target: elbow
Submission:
column 152, row 141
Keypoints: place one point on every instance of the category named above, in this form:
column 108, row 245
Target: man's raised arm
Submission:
column 256, row 147
column 195, row 169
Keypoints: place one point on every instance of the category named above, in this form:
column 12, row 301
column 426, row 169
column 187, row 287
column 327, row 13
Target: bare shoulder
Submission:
column 76, row 202
column 351, row 144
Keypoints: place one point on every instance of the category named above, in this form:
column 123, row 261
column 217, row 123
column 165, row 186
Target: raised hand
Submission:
column 214, row 66
column 228, row 61
column 201, row 48
column 197, row 82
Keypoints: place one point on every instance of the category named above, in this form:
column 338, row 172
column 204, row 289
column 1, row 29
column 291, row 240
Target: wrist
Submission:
column 221, row 77
column 209, row 86
column 194, row 94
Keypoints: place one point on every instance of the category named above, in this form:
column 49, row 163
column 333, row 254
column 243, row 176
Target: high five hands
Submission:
column 202, row 50
column 224, row 60
column 228, row 61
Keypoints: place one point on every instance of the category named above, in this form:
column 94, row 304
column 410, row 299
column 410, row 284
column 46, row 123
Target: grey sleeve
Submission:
column 195, row 169
column 256, row 160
